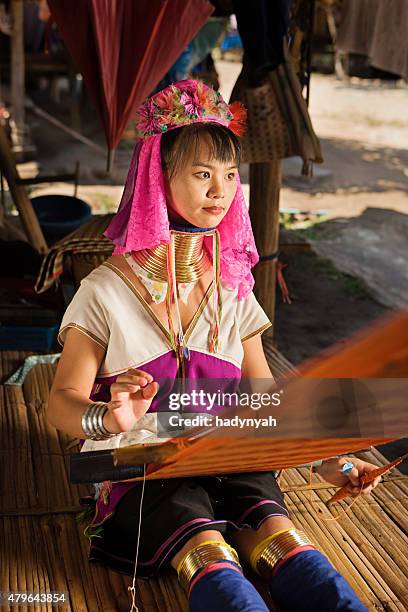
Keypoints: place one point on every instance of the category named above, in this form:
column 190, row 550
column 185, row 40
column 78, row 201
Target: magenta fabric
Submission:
column 164, row 370
column 142, row 221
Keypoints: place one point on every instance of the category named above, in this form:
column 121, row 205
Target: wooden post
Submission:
column 20, row 198
column 17, row 73
column 265, row 182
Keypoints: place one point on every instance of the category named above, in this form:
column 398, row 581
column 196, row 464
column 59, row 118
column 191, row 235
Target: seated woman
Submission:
column 175, row 300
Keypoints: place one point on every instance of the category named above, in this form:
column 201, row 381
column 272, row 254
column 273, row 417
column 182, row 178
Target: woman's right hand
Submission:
column 131, row 396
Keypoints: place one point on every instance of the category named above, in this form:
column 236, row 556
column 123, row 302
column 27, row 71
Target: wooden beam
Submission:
column 20, row 198
column 265, row 182
column 17, row 73
column 47, row 178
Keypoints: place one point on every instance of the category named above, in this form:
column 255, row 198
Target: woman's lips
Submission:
column 214, row 210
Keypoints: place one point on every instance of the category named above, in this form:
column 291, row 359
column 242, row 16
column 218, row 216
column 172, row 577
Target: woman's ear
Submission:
column 167, row 179
column 171, row 213
column 167, row 190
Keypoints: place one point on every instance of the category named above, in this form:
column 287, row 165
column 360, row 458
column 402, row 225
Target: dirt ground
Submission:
column 327, row 305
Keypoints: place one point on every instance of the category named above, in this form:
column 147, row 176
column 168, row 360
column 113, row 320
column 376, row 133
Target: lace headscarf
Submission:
column 142, row 220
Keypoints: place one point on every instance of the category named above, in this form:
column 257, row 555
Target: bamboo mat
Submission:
column 45, row 550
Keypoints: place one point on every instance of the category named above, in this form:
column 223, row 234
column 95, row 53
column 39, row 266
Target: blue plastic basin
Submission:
column 60, row 215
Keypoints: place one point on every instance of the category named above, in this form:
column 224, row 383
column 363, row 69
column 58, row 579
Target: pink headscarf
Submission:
column 142, row 220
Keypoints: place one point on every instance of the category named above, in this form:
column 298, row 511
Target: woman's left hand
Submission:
column 330, row 470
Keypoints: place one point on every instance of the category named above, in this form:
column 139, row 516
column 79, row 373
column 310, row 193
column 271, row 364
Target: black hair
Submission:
column 177, row 145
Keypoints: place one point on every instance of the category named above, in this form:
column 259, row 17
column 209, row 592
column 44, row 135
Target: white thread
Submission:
column 132, row 589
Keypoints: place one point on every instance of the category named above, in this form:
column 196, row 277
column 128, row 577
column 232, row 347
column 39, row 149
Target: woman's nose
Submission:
column 216, row 190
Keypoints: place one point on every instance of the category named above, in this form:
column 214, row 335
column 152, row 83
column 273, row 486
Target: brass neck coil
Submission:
column 191, row 258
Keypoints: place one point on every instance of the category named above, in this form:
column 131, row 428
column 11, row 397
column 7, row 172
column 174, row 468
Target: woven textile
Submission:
column 278, row 122
column 88, row 239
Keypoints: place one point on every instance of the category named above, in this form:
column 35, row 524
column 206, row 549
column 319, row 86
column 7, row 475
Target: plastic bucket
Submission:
column 60, row 215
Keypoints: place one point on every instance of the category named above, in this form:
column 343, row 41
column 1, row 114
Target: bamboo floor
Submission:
column 43, row 548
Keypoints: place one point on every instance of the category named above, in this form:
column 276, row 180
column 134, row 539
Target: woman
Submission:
column 175, row 300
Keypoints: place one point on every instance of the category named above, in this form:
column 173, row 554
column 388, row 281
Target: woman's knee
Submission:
column 195, row 540
column 247, row 539
column 276, row 540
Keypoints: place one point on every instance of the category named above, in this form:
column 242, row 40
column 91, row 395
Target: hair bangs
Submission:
column 179, row 145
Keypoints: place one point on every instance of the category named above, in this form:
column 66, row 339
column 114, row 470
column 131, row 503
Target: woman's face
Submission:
column 202, row 190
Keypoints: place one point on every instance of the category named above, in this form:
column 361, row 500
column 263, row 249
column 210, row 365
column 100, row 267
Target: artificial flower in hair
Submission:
column 191, row 104
column 239, row 115
column 148, row 117
column 183, row 104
